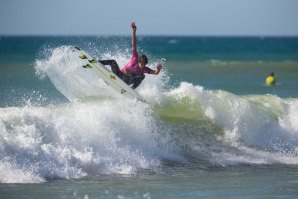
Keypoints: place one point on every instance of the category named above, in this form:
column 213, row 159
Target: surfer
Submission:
column 270, row 79
column 133, row 72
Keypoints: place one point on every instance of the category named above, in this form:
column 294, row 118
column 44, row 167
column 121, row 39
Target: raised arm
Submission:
column 134, row 37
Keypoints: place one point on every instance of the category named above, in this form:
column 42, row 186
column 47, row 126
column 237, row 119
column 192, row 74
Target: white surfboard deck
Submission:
column 109, row 77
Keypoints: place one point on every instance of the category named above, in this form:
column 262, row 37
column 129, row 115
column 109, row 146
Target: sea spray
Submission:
column 224, row 128
column 228, row 119
column 79, row 139
column 100, row 132
column 64, row 68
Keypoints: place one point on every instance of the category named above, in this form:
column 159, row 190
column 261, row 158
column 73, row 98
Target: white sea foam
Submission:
column 252, row 129
column 78, row 139
column 94, row 136
column 64, row 68
column 262, row 122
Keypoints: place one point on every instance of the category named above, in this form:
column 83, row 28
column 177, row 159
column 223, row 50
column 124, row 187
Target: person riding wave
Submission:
column 133, row 72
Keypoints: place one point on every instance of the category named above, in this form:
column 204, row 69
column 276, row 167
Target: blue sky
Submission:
column 153, row 17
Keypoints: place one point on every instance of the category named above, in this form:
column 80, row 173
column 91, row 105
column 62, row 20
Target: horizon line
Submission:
column 140, row 35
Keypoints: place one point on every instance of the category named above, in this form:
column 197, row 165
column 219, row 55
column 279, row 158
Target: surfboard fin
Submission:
column 92, row 61
column 82, row 56
column 87, row 66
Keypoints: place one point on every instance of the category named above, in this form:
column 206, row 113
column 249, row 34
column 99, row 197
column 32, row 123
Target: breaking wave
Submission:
column 100, row 132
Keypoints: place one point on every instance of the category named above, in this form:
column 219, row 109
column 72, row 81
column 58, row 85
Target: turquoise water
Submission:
column 212, row 128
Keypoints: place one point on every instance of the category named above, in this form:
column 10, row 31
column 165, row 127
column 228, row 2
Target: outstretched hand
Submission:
column 159, row 66
column 133, row 26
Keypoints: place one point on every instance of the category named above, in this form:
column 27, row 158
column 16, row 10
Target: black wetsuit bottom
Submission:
column 135, row 80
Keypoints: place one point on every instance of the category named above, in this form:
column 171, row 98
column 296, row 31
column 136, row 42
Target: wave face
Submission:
column 100, row 132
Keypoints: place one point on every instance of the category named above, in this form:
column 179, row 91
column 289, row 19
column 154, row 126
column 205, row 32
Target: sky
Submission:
column 153, row 17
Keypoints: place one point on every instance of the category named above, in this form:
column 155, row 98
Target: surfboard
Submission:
column 109, row 77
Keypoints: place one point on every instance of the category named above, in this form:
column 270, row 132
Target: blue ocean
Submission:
column 212, row 128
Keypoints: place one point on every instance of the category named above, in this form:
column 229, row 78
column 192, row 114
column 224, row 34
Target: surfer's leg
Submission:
column 105, row 62
column 137, row 81
column 127, row 79
column 114, row 66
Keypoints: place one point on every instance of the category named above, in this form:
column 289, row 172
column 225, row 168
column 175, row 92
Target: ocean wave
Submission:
column 79, row 139
column 100, row 132
column 229, row 129
column 187, row 124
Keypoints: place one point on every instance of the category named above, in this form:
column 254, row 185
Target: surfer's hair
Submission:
column 145, row 58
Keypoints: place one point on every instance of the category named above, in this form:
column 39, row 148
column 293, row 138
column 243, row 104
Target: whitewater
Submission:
column 100, row 132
